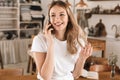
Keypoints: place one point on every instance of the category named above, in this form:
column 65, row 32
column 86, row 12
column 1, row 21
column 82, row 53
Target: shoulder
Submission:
column 39, row 43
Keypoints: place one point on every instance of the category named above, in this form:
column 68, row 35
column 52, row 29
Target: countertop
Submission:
column 105, row 38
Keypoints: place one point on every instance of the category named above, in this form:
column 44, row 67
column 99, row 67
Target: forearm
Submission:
column 78, row 67
column 48, row 66
column 84, row 54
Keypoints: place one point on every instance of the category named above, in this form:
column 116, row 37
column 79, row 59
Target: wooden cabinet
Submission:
column 98, row 45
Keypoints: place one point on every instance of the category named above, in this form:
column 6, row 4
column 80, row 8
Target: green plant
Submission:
column 113, row 59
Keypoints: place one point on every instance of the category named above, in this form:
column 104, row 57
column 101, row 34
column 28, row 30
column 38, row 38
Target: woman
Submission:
column 60, row 55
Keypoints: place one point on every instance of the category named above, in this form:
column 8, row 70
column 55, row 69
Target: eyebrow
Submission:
column 62, row 12
column 54, row 13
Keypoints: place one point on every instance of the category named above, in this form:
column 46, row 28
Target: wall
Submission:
column 108, row 20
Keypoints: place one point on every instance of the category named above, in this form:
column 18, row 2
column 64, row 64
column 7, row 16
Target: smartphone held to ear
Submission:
column 53, row 30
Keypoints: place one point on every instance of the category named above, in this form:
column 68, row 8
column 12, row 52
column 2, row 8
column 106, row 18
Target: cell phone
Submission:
column 53, row 31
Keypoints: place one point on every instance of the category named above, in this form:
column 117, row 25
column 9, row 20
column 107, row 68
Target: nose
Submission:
column 57, row 18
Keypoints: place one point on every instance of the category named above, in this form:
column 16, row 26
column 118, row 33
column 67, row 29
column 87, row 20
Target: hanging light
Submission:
column 81, row 4
column 68, row 3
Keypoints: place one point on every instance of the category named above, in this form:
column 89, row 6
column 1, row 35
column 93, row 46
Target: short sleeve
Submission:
column 39, row 44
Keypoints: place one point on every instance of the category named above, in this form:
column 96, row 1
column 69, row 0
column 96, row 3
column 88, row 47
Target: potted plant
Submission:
column 112, row 62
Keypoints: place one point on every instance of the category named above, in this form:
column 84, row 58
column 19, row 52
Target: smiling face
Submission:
column 58, row 18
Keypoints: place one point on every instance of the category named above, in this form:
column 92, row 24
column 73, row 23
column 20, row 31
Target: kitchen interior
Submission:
column 98, row 18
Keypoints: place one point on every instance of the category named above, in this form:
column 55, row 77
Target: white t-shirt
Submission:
column 64, row 61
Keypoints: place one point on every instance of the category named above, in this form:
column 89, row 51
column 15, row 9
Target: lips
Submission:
column 58, row 24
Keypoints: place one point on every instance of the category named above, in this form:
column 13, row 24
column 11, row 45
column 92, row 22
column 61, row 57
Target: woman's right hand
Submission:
column 48, row 33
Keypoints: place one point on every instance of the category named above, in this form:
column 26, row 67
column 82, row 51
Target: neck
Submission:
column 60, row 36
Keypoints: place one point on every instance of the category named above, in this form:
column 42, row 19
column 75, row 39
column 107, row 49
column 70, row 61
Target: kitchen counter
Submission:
column 105, row 38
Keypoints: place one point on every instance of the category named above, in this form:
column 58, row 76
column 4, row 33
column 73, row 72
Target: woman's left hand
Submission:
column 86, row 51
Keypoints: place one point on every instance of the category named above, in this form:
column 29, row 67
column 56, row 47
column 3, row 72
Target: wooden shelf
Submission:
column 8, row 19
column 30, row 4
column 10, row 29
column 1, row 7
column 4, row 12
column 22, row 22
column 28, row 29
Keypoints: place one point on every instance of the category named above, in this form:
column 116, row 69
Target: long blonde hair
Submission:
column 73, row 30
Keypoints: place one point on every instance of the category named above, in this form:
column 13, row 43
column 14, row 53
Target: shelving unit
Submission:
column 17, row 17
column 16, row 29
column 28, row 25
column 9, row 19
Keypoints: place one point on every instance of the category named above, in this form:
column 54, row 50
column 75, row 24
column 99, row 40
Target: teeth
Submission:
column 59, row 24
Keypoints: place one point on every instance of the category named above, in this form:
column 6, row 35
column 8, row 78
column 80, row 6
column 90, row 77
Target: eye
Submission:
column 62, row 14
column 52, row 15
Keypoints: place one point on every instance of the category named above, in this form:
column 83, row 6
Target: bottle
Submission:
column 112, row 72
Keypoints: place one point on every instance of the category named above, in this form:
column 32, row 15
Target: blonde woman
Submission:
column 61, row 51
